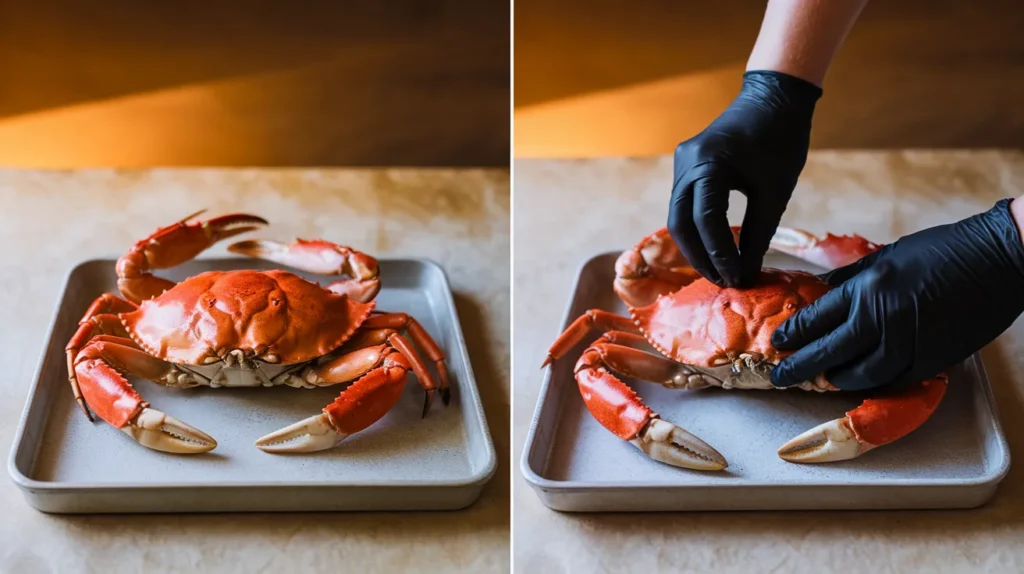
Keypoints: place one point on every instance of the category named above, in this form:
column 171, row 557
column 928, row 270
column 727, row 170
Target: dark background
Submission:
column 244, row 83
column 913, row 73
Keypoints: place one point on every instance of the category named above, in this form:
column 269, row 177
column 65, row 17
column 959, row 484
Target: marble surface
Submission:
column 459, row 218
column 567, row 210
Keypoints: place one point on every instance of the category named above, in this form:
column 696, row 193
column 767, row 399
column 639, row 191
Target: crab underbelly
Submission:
column 745, row 373
column 249, row 374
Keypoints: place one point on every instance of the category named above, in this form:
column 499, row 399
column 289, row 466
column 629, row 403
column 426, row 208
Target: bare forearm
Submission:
column 801, row 37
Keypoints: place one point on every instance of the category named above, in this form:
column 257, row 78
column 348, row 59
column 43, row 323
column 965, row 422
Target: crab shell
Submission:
column 705, row 325
column 272, row 316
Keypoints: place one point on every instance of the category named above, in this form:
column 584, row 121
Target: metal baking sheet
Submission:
column 65, row 464
column 955, row 460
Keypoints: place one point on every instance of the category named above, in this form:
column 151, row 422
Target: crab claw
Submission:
column 828, row 442
column 308, row 435
column 323, row 258
column 671, row 444
column 171, row 246
column 159, row 431
column 876, row 422
column 830, row 252
column 618, row 408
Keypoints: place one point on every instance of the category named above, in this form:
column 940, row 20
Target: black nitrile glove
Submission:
column 912, row 309
column 758, row 146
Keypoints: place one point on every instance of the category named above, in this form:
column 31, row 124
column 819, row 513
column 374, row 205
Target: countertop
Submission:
column 566, row 211
column 459, row 218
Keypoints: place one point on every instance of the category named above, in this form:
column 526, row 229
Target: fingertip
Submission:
column 709, row 273
column 731, row 278
column 780, row 337
column 750, row 271
column 683, row 230
column 781, row 376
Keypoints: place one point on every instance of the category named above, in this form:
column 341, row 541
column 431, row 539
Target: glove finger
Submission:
column 844, row 274
column 710, row 214
column 814, row 321
column 879, row 368
column 683, row 229
column 836, row 348
column 759, row 225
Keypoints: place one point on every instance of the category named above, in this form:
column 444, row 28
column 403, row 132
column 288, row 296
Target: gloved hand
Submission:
column 758, row 146
column 912, row 309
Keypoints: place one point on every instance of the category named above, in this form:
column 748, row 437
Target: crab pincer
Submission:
column 116, row 402
column 618, row 408
column 876, row 422
column 379, row 374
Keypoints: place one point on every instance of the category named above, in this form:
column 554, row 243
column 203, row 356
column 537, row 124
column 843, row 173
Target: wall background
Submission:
column 243, row 83
column 599, row 78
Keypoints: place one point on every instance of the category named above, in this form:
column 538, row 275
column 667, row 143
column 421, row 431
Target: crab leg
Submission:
column 173, row 245
column 368, row 338
column 90, row 328
column 322, row 258
column 876, row 422
column 108, row 304
column 639, row 364
column 103, row 324
column 593, row 318
column 97, row 371
column 380, row 375
column 419, row 335
column 374, row 338
column 100, row 318
column 618, row 408
column 625, row 339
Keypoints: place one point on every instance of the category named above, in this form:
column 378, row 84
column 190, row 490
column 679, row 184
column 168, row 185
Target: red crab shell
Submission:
column 274, row 316
column 703, row 324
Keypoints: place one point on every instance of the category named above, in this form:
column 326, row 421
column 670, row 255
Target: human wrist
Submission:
column 784, row 94
column 1003, row 228
column 801, row 37
column 1017, row 215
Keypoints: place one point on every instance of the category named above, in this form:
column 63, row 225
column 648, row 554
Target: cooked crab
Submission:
column 685, row 332
column 246, row 328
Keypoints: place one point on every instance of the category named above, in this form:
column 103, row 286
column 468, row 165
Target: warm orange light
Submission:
column 644, row 119
column 132, row 131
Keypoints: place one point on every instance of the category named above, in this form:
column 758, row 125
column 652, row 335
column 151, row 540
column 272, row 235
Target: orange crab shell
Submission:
column 705, row 325
column 269, row 315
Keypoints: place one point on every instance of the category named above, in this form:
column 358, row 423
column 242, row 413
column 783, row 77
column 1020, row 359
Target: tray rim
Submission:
column 541, row 483
column 29, row 485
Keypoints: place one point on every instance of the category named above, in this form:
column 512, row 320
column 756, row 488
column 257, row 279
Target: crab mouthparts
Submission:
column 239, row 373
column 240, row 376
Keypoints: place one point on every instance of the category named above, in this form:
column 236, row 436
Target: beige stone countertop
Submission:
column 458, row 218
column 567, row 211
